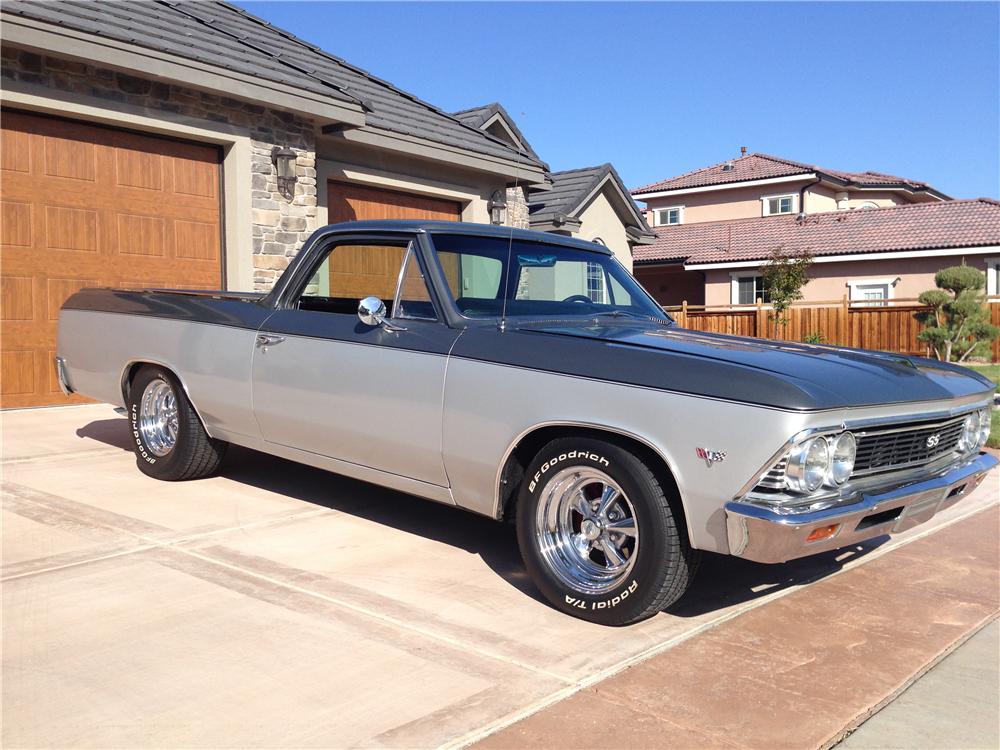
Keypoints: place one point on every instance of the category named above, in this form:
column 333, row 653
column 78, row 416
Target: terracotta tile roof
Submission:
column 764, row 166
column 916, row 226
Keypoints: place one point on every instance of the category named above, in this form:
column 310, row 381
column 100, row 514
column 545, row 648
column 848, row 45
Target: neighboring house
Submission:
column 591, row 203
column 874, row 236
column 193, row 145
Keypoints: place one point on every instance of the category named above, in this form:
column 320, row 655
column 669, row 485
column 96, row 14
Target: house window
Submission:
column 993, row 276
column 778, row 204
column 596, row 288
column 671, row 215
column 871, row 292
column 748, row 288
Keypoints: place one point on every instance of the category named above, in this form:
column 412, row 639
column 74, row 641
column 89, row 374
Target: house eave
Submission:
column 724, row 186
column 43, row 38
column 892, row 255
column 421, row 148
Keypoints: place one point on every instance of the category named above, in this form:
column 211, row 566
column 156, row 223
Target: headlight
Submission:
column 970, row 433
column 985, row 424
column 808, row 465
column 845, row 448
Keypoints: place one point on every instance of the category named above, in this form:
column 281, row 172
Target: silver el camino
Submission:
column 528, row 377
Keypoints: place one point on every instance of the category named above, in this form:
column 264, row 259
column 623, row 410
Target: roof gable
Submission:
column 912, row 227
column 487, row 115
column 571, row 192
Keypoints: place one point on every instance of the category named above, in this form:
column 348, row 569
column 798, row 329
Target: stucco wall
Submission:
column 829, row 281
column 745, row 203
column 719, row 205
column 599, row 219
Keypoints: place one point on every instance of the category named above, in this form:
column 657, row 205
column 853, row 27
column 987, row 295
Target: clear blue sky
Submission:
column 658, row 89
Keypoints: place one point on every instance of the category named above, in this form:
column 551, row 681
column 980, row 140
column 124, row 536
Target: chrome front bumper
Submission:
column 763, row 535
column 63, row 377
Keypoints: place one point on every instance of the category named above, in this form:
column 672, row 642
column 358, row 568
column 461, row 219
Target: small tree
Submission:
column 784, row 276
column 957, row 325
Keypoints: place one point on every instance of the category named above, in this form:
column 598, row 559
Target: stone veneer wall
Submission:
column 279, row 226
column 517, row 207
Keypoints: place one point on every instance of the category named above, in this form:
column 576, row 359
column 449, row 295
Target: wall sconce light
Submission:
column 284, row 166
column 498, row 207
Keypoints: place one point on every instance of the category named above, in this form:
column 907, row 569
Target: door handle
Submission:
column 268, row 339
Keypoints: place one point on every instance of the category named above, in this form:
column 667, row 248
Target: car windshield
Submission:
column 538, row 280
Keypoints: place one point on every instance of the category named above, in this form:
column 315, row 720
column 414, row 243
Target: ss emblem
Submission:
column 933, row 440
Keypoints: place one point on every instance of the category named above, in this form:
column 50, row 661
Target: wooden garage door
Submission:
column 358, row 273
column 82, row 206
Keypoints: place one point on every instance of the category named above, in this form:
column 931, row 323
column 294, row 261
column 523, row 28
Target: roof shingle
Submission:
column 765, row 166
column 912, row 227
column 223, row 35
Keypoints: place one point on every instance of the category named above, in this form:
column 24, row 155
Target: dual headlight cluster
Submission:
column 821, row 460
column 975, row 431
column 829, row 460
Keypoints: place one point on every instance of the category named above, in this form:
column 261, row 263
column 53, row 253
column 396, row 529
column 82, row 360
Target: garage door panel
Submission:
column 88, row 206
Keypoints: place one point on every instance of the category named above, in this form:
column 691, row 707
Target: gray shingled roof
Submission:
column 570, row 189
column 223, row 35
column 476, row 117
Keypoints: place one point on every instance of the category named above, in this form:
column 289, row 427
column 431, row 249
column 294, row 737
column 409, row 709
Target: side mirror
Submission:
column 371, row 312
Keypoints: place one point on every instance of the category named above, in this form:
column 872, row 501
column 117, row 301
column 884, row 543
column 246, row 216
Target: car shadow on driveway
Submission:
column 722, row 581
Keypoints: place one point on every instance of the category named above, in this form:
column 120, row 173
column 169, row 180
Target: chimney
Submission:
column 743, row 150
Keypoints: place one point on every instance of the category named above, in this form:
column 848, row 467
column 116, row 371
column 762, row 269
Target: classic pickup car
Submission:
column 529, row 377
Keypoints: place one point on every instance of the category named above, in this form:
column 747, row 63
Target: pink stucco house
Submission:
column 873, row 236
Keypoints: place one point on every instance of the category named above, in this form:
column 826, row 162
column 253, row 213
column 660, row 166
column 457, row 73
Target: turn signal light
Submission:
column 823, row 532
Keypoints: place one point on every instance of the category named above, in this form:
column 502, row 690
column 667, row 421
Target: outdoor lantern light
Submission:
column 498, row 207
column 284, row 166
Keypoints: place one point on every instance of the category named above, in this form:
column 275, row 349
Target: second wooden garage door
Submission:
column 91, row 206
column 359, row 273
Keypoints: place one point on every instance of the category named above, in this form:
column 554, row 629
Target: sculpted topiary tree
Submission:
column 784, row 275
column 958, row 323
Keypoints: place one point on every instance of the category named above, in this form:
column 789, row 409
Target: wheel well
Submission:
column 129, row 375
column 529, row 445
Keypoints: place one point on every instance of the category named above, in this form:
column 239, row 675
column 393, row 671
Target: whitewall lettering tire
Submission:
column 598, row 534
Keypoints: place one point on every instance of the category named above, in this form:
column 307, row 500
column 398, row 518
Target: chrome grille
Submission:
column 902, row 446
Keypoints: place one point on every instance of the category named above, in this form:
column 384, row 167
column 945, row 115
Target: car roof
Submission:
column 466, row 228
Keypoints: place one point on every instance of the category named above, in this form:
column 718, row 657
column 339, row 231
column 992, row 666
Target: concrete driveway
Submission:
column 276, row 605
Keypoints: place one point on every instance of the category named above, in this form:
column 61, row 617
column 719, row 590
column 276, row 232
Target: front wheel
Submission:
column 168, row 438
column 598, row 535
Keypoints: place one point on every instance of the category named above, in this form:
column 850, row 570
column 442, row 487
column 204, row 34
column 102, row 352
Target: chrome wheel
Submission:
column 586, row 530
column 158, row 417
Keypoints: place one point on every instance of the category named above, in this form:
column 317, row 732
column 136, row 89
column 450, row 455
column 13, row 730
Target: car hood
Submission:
column 825, row 376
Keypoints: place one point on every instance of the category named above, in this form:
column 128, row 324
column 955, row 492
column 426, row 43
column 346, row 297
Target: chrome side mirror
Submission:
column 371, row 312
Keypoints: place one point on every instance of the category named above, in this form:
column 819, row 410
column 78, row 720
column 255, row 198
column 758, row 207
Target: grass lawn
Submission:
column 993, row 373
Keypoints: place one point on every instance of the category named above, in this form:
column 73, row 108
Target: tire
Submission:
column 565, row 543
column 168, row 438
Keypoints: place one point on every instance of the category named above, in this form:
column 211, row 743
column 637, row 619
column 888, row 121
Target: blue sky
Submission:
column 658, row 89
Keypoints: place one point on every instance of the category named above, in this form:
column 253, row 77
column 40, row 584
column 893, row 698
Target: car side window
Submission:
column 413, row 298
column 352, row 271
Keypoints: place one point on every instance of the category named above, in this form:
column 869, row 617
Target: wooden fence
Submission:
column 892, row 327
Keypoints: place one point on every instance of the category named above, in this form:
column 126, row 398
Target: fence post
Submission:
column 684, row 313
column 845, row 322
column 760, row 321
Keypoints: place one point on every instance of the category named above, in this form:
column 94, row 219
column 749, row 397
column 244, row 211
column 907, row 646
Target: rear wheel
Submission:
column 168, row 438
column 598, row 535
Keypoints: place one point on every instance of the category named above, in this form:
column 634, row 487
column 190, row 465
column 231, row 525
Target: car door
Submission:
column 327, row 383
